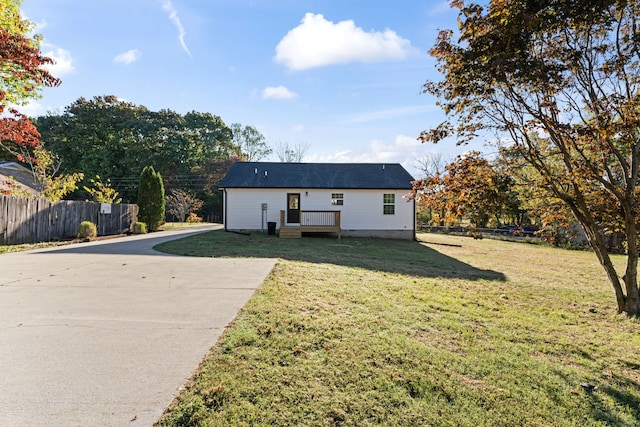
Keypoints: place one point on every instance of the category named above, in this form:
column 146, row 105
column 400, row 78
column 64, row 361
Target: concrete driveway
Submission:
column 106, row 333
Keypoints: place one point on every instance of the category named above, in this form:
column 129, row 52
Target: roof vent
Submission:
column 255, row 171
column 382, row 167
column 265, row 174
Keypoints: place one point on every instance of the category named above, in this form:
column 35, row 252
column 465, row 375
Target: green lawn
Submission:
column 360, row 332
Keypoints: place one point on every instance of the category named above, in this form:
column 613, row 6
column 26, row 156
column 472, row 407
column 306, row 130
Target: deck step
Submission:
column 290, row 233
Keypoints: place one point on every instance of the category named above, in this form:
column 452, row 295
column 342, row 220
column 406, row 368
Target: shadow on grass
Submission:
column 606, row 403
column 623, row 398
column 393, row 256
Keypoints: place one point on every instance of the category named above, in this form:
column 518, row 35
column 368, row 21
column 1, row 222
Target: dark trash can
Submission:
column 271, row 228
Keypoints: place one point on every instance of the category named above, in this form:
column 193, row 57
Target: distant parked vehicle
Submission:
column 507, row 230
column 526, row 230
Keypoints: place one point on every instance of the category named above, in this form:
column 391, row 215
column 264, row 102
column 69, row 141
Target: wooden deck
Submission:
column 311, row 222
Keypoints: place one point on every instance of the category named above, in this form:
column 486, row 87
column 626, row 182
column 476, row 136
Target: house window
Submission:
column 337, row 199
column 389, row 204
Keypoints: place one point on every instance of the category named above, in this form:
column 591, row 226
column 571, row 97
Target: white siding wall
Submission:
column 243, row 209
column 362, row 209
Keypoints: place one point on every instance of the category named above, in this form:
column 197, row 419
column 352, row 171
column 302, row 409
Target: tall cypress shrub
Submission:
column 151, row 203
column 160, row 200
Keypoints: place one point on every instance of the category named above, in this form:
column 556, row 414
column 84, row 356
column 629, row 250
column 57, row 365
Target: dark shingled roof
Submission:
column 23, row 176
column 317, row 175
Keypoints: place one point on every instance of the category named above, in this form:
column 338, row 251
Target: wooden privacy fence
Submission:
column 31, row 220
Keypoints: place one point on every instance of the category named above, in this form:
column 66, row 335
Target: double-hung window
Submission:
column 389, row 204
column 337, row 199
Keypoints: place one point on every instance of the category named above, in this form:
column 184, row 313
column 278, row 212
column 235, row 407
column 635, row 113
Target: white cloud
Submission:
column 404, row 149
column 39, row 26
column 299, row 128
column 128, row 57
column 317, row 42
column 63, row 62
column 173, row 16
column 278, row 92
column 32, row 109
column 62, row 57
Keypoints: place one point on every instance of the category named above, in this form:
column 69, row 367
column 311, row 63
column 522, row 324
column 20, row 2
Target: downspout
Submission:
column 224, row 209
column 415, row 234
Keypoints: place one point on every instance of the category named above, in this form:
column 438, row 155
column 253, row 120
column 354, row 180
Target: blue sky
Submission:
column 342, row 76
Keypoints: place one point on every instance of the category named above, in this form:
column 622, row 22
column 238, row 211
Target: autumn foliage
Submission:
column 16, row 130
column 559, row 82
column 470, row 188
column 22, row 73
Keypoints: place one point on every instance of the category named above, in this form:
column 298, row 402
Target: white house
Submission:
column 349, row 199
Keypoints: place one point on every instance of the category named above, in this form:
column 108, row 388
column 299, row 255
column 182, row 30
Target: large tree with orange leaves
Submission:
column 559, row 81
column 470, row 187
column 22, row 75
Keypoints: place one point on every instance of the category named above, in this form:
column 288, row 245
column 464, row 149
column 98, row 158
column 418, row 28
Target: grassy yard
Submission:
column 454, row 332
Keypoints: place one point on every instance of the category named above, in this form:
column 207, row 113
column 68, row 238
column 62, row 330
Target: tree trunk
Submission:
column 627, row 298
column 632, row 303
column 580, row 211
column 598, row 246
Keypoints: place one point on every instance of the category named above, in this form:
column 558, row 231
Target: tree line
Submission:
column 116, row 139
column 501, row 192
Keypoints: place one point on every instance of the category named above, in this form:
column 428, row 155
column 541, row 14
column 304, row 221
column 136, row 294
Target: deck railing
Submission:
column 319, row 219
column 315, row 219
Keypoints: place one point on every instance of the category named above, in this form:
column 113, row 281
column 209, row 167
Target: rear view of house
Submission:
column 349, row 199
